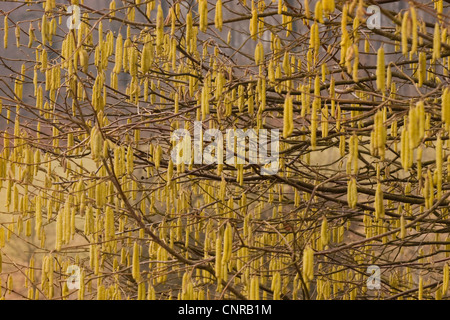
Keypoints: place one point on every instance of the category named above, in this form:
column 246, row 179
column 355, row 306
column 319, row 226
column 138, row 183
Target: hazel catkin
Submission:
column 381, row 70
column 288, row 117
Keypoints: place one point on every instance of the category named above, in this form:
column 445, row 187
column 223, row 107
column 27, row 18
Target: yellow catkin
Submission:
column 328, row 6
column 381, row 70
column 314, row 120
column 10, row 284
column 189, row 30
column 318, row 11
column 307, row 10
column 422, row 68
column 436, row 43
column 6, row 30
column 445, row 279
column 17, row 33
column 136, row 273
column 324, row 234
column 38, row 214
column 119, row 52
column 413, row 128
column 84, row 60
column 147, row 55
column 218, row 262
column 445, row 107
column 308, row 264
column 352, row 193
column 314, row 38
column 379, row 137
column 402, row 227
column 276, row 286
column 44, row 60
column 355, row 63
column 404, row 33
column 159, row 28
column 227, row 244
column 379, row 205
column 288, row 123
column 59, row 231
column 109, row 224
column 44, row 29
column 157, row 157
column 218, row 19
column 414, row 30
column 169, row 172
column 439, row 158
column 203, row 11
column 254, row 23
column 420, row 288
column 254, row 285
column 96, row 142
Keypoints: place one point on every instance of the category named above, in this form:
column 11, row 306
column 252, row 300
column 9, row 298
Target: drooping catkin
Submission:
column 422, row 68
column 254, row 284
column 414, row 29
column 96, row 142
column 445, row 107
column 288, row 117
column 119, row 52
column 157, row 157
column 254, row 22
column 314, row 40
column 169, row 172
column 352, row 193
column 328, row 6
column 414, row 119
column 405, row 33
column 44, row 61
column 203, row 11
column 436, row 54
column 218, row 19
column 31, row 36
column 84, row 60
column 136, row 273
column 355, row 63
column 439, row 159
column 276, row 286
column 308, row 264
column 17, row 33
column 38, row 214
column 380, row 135
column 159, row 28
column 420, row 293
column 59, row 231
column 445, row 279
column 402, row 227
column 10, row 284
column 6, row 30
column 324, row 233
column 318, row 11
column 379, row 205
column 227, row 244
column 109, row 224
column 381, row 70
column 218, row 260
